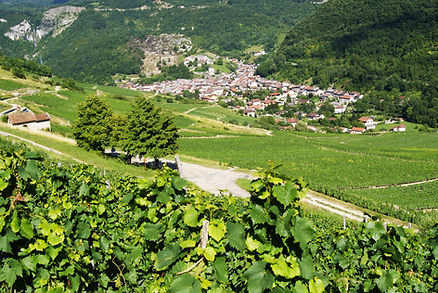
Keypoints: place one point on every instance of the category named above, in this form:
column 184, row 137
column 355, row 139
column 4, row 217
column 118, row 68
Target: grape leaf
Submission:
column 259, row 278
column 185, row 284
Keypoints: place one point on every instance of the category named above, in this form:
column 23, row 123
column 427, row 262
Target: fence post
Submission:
column 178, row 166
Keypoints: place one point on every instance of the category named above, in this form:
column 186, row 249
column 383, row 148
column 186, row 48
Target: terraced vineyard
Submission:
column 9, row 85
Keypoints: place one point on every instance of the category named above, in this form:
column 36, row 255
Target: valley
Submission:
column 218, row 146
column 340, row 165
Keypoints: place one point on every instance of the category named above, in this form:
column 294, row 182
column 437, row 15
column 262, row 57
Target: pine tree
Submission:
column 149, row 132
column 92, row 129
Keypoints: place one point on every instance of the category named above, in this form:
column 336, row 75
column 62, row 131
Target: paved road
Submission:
column 214, row 180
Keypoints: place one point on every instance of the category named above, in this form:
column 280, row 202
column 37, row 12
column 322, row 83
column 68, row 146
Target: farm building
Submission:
column 30, row 120
column 399, row 128
column 357, row 130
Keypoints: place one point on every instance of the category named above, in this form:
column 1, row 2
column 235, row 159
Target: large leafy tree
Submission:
column 92, row 129
column 150, row 132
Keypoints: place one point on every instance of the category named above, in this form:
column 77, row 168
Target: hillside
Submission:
column 213, row 133
column 388, row 46
column 97, row 44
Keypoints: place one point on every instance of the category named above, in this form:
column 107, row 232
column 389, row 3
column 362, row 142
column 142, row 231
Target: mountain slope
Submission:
column 96, row 45
column 382, row 45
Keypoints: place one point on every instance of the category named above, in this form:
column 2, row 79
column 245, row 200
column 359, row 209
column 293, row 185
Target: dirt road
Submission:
column 214, row 180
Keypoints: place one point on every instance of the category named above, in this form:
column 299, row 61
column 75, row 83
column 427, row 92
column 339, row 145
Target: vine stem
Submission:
column 203, row 244
column 190, row 268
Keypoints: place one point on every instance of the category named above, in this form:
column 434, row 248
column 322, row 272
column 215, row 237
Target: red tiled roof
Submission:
column 358, row 129
column 27, row 117
column 365, row 118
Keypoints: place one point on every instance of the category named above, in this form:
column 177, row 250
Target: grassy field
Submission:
column 72, row 151
column 9, row 85
column 316, row 160
column 421, row 197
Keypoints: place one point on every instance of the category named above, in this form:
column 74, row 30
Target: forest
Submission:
column 389, row 47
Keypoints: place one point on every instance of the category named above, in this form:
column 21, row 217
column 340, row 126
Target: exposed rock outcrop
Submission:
column 163, row 50
column 54, row 21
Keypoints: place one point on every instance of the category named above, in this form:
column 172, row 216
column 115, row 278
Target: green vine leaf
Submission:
column 167, row 256
column 220, row 270
column 187, row 244
column 55, row 239
column 185, row 284
column 259, row 279
column 235, row 237
column 281, row 268
column 316, row 286
column 26, row 229
column 15, row 223
column 191, row 217
column 209, row 253
column 217, row 232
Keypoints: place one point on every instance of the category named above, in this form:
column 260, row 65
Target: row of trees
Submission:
column 144, row 131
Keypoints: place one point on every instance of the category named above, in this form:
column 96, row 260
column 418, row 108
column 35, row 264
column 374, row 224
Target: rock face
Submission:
column 22, row 31
column 163, row 50
column 54, row 21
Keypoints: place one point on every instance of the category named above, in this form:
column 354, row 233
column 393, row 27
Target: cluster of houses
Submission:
column 290, row 95
column 229, row 86
column 233, row 85
column 368, row 124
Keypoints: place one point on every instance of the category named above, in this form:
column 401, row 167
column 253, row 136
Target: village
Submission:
column 223, row 87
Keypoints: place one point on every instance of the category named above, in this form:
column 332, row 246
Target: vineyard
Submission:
column 335, row 162
column 9, row 85
column 78, row 228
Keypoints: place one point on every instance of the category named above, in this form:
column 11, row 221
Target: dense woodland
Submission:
column 390, row 47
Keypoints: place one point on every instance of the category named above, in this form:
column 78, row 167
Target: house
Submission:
column 251, row 112
column 311, row 128
column 314, row 116
column 30, row 120
column 368, row 122
column 292, row 121
column 344, row 99
column 399, row 128
column 357, row 130
column 340, row 109
column 343, row 129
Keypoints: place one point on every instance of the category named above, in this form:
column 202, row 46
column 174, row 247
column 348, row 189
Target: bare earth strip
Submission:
column 392, row 185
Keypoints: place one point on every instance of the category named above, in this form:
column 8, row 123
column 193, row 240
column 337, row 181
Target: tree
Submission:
column 92, row 129
column 118, row 129
column 149, row 131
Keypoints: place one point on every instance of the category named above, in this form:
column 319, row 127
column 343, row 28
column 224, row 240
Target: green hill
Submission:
column 98, row 43
column 388, row 45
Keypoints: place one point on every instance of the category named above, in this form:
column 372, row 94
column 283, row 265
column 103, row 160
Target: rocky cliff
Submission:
column 54, row 21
